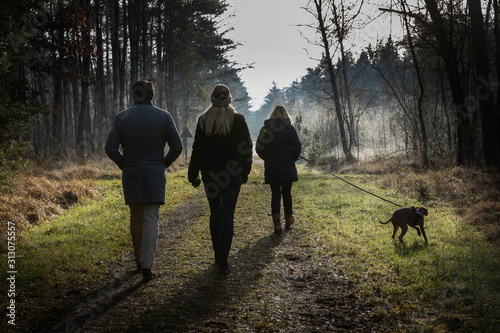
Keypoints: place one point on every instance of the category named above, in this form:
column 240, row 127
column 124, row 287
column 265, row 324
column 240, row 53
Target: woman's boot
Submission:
column 288, row 220
column 277, row 223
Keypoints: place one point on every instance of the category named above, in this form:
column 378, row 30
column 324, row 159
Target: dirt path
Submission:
column 276, row 285
column 92, row 313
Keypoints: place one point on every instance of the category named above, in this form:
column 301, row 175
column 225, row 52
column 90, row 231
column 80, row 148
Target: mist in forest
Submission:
column 431, row 89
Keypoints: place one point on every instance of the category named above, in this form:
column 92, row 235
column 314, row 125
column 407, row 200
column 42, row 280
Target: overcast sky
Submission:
column 269, row 32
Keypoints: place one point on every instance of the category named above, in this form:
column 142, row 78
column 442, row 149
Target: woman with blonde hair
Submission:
column 279, row 146
column 222, row 152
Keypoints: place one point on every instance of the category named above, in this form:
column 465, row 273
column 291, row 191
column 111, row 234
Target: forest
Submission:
column 433, row 92
column 412, row 118
column 67, row 68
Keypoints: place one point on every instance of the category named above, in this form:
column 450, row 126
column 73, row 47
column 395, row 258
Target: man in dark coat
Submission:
column 279, row 146
column 143, row 131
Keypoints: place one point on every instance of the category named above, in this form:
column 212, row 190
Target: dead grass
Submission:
column 38, row 196
column 49, row 187
column 474, row 192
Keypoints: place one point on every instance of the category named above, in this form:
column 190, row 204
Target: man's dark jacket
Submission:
column 143, row 131
column 279, row 146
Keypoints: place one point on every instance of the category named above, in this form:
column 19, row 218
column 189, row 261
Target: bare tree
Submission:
column 421, row 88
column 448, row 52
column 116, row 54
column 84, row 117
column 342, row 25
column 320, row 12
column 465, row 149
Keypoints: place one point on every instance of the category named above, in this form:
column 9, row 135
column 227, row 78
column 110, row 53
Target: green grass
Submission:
column 455, row 279
column 450, row 285
column 79, row 247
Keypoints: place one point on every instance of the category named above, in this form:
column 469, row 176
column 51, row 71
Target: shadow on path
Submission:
column 196, row 305
column 82, row 313
column 100, row 301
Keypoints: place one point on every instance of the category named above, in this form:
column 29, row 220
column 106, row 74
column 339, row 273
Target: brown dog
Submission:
column 404, row 217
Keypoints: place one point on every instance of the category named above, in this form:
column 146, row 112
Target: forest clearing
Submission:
column 336, row 270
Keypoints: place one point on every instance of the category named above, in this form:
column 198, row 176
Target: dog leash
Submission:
column 359, row 188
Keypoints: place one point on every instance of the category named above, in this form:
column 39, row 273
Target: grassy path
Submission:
column 336, row 270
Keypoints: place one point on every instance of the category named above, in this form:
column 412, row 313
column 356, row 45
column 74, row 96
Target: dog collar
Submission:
column 419, row 213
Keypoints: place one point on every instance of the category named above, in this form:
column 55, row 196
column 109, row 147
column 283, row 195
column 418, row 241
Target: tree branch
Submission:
column 417, row 16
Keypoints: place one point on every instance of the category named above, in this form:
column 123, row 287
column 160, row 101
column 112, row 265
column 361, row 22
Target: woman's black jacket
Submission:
column 222, row 159
column 279, row 146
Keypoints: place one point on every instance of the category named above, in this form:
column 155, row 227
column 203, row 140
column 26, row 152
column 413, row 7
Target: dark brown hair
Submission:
column 143, row 91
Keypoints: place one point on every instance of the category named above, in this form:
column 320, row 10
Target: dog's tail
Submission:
column 385, row 222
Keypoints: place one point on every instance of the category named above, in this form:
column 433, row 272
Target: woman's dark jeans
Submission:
column 278, row 191
column 222, row 206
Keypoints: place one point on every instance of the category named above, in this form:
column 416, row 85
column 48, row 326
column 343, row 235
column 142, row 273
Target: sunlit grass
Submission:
column 76, row 246
column 457, row 273
column 453, row 282
column 82, row 244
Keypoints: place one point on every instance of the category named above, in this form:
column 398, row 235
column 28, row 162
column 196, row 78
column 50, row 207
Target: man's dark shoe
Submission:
column 147, row 275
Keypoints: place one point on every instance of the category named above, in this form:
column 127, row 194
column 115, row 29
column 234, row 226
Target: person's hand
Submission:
column 167, row 163
column 244, row 179
column 196, row 182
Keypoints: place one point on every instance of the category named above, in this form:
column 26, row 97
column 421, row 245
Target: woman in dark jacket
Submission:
column 222, row 151
column 279, row 146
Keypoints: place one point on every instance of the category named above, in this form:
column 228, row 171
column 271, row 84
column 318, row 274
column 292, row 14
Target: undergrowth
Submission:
column 452, row 284
column 473, row 193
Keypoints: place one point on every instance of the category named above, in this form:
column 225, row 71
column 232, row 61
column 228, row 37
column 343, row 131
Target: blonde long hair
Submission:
column 280, row 112
column 217, row 120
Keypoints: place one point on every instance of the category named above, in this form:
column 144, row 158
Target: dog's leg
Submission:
column 396, row 227
column 416, row 228
column 423, row 233
column 404, row 229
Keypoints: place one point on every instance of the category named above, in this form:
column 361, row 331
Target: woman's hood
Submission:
column 277, row 124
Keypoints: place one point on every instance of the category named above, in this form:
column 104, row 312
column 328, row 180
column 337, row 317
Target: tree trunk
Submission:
column 101, row 115
column 171, row 107
column 123, row 60
column 144, row 41
column 57, row 114
column 341, row 35
column 448, row 121
column 84, row 116
column 484, row 89
column 76, row 107
column 420, row 108
column 159, row 56
column 465, row 149
column 333, row 80
column 115, row 44
column 134, row 42
column 496, row 30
